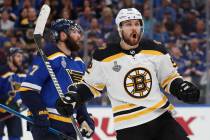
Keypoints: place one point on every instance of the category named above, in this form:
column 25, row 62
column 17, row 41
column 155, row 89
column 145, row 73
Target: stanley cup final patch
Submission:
column 63, row 62
column 116, row 67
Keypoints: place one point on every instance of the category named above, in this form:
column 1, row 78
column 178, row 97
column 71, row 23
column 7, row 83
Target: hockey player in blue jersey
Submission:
column 38, row 92
column 11, row 77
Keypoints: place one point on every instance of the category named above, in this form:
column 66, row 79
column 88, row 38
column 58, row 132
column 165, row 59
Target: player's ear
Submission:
column 63, row 36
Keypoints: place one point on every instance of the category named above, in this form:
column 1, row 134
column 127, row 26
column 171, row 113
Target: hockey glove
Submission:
column 41, row 124
column 67, row 105
column 87, row 127
column 185, row 91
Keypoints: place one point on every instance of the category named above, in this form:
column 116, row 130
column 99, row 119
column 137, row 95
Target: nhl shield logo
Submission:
column 63, row 62
column 116, row 67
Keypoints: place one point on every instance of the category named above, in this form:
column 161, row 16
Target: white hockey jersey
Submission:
column 133, row 80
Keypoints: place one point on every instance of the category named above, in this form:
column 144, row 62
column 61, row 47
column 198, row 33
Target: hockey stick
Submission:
column 38, row 33
column 31, row 121
column 11, row 115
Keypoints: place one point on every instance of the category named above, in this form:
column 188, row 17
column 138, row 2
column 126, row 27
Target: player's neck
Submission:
column 64, row 48
column 125, row 46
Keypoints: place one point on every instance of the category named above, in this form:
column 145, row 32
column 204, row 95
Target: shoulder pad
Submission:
column 52, row 52
column 109, row 50
column 153, row 45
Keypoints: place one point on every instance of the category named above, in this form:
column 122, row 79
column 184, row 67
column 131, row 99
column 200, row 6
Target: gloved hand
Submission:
column 188, row 92
column 86, row 130
column 66, row 105
column 87, row 127
column 40, row 125
column 63, row 108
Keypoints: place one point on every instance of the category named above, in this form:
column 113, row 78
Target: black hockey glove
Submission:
column 185, row 91
column 70, row 101
column 87, row 127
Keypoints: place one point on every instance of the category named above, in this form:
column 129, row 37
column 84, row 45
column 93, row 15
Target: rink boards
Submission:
column 195, row 120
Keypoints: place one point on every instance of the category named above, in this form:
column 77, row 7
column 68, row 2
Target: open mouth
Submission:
column 134, row 36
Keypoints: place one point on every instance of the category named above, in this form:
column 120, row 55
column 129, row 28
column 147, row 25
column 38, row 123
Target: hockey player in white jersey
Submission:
column 135, row 71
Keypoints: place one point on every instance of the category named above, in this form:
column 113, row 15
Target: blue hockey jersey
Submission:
column 68, row 70
column 9, row 81
column 9, row 85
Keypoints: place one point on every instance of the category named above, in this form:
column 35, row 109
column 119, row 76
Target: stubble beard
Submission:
column 132, row 40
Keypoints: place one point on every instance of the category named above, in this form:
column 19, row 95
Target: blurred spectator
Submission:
column 160, row 33
column 5, row 22
column 22, row 18
column 165, row 8
column 66, row 10
column 99, row 5
column 157, row 3
column 125, row 4
column 139, row 4
column 55, row 8
column 95, row 28
column 13, row 40
column 113, row 37
column 85, row 18
column 107, row 21
column 28, row 4
column 200, row 34
column 178, row 59
column 168, row 22
column 128, row 3
column 197, row 61
column 78, row 4
column 149, row 22
column 87, row 3
column 179, row 37
column 29, row 25
column 185, row 6
column 10, row 6
column 189, row 22
column 68, row 14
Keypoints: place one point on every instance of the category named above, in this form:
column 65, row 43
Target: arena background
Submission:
column 183, row 26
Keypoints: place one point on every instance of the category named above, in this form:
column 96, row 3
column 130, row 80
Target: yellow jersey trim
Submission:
column 59, row 118
column 113, row 57
column 24, row 89
column 151, row 52
column 99, row 86
column 53, row 116
column 94, row 91
column 123, row 107
column 168, row 79
column 7, row 74
column 141, row 112
column 55, row 55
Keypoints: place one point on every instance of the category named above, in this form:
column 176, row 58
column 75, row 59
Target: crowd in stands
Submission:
column 178, row 24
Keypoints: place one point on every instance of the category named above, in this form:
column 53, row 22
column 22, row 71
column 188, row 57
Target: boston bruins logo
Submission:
column 138, row 82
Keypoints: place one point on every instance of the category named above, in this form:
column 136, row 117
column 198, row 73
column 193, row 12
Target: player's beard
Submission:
column 72, row 45
column 132, row 39
column 18, row 65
